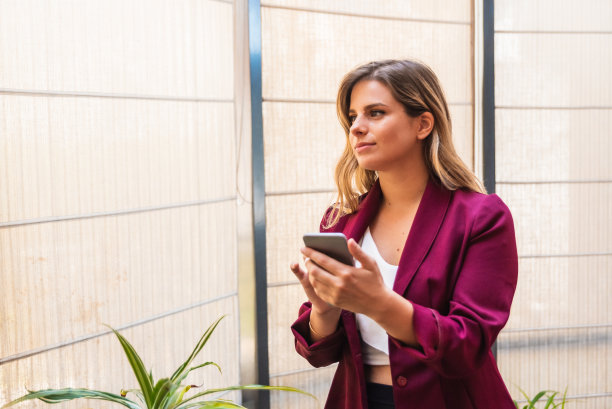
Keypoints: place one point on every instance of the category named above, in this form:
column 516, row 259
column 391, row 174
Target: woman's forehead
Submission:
column 368, row 92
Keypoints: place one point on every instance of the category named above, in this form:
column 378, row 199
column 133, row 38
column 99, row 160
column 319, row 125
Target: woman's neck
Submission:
column 404, row 188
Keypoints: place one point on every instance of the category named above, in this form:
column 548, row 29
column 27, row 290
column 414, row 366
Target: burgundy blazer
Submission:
column 459, row 269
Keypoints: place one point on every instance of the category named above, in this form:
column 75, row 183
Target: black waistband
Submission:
column 379, row 396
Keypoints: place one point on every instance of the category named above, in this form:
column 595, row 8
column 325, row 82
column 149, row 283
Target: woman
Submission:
column 412, row 324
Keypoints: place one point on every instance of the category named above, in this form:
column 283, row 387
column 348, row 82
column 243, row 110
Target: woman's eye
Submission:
column 352, row 118
column 375, row 113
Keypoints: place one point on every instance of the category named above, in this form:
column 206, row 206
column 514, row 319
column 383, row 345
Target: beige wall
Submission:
column 122, row 143
column 117, row 190
column 553, row 124
column 307, row 47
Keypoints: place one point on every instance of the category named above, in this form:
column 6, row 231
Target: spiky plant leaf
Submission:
column 145, row 380
column 62, row 395
column 185, row 405
column 551, row 400
column 174, row 399
column 136, row 392
column 180, row 371
column 536, row 399
column 163, row 390
column 167, row 393
column 215, row 405
column 181, row 378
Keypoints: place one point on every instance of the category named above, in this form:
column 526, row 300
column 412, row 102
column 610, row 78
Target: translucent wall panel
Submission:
column 296, row 135
column 142, row 47
column 306, row 49
column 67, row 278
column 316, row 381
column 435, row 10
column 75, row 155
column 553, row 126
column 117, row 190
column 317, row 49
column 285, row 295
column 284, row 229
column 99, row 362
column 565, row 144
column 556, row 70
column 549, row 15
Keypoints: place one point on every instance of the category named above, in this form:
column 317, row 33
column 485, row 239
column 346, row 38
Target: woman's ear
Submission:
column 426, row 125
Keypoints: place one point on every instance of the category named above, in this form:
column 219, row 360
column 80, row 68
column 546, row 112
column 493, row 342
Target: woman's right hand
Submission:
column 318, row 305
column 324, row 317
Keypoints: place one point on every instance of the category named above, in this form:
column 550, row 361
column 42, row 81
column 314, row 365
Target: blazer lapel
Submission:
column 425, row 227
column 357, row 225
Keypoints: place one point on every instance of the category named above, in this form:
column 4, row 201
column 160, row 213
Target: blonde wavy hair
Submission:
column 417, row 88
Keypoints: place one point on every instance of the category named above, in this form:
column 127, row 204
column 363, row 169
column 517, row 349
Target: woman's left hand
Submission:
column 356, row 289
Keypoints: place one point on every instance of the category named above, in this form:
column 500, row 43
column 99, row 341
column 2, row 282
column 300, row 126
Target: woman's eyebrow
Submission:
column 377, row 104
column 370, row 106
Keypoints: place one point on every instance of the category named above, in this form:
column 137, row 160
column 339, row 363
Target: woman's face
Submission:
column 383, row 136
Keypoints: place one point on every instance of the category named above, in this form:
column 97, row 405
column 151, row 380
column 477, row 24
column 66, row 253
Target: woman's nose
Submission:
column 359, row 126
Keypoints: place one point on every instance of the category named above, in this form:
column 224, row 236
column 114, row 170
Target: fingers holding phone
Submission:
column 354, row 288
column 317, row 302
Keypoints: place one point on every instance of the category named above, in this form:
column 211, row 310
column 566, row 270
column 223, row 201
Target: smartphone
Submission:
column 332, row 244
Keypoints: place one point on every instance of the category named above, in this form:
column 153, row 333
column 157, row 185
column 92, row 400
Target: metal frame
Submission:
column 488, row 103
column 488, row 96
column 259, row 203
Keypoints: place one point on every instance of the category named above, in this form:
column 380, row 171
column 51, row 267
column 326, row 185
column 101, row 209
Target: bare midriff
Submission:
column 378, row 374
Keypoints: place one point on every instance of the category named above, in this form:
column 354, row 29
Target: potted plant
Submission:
column 550, row 397
column 165, row 393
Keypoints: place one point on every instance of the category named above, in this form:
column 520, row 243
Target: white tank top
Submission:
column 374, row 339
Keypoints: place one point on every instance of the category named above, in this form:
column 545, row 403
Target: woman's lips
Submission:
column 362, row 147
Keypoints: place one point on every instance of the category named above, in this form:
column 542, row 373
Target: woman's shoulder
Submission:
column 477, row 200
column 481, row 208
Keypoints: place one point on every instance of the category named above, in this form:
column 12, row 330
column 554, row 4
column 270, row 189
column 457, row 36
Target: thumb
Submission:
column 366, row 261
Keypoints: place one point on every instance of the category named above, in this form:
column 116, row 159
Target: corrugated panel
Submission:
column 554, row 98
column 288, row 217
column 315, row 381
column 64, row 279
column 118, row 185
column 142, row 47
column 554, row 360
column 286, row 360
column 553, row 15
column 302, row 144
column 100, row 363
column 553, row 70
column 76, row 156
column 566, row 145
column 559, row 291
column 306, row 54
column 463, row 132
column 436, row 10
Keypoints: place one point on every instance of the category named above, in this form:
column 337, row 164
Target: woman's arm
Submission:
column 358, row 289
column 459, row 342
column 324, row 317
column 453, row 344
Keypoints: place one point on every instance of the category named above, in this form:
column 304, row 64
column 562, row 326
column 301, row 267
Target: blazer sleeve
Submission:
column 323, row 352
column 329, row 349
column 459, row 343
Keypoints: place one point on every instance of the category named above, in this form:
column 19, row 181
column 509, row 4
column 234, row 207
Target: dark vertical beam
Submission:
column 488, row 103
column 259, row 203
column 488, row 97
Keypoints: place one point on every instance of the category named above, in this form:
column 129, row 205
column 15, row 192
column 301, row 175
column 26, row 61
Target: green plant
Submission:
column 550, row 397
column 166, row 393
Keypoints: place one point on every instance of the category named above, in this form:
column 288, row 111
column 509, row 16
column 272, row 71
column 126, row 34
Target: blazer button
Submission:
column 401, row 381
